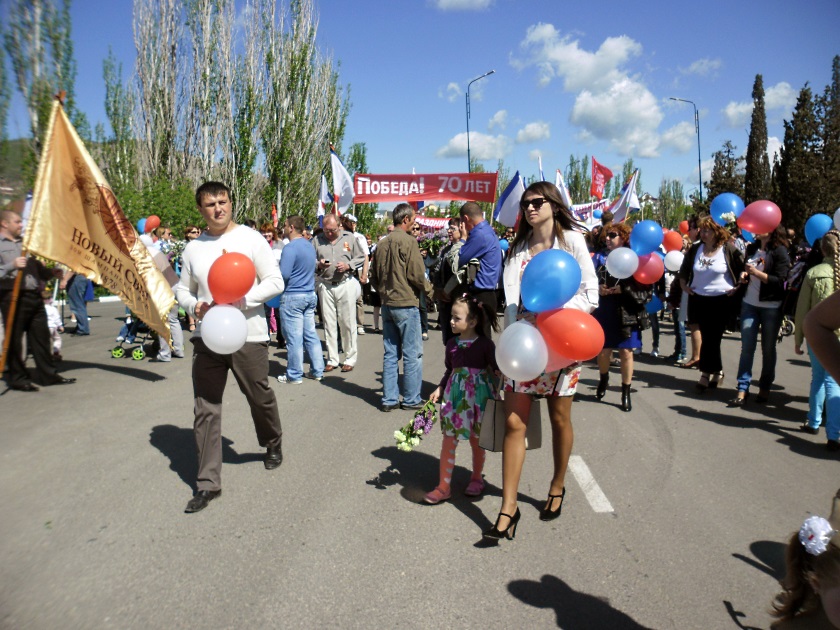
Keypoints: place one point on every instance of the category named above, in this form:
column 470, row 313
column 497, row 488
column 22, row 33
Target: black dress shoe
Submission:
column 388, row 407
column 273, row 457
column 201, row 499
column 413, row 407
column 29, row 387
column 63, row 381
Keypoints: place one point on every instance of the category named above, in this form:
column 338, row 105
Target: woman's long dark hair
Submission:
column 563, row 219
column 778, row 237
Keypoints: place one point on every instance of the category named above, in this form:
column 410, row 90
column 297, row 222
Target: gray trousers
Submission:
column 209, row 373
column 165, row 353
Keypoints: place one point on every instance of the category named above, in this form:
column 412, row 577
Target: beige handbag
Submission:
column 493, row 421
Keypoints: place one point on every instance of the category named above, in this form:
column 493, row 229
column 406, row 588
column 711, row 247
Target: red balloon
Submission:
column 650, row 269
column 683, row 227
column 571, row 333
column 151, row 223
column 672, row 241
column 231, row 277
column 760, row 217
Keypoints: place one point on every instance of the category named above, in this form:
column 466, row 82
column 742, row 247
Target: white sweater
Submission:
column 200, row 254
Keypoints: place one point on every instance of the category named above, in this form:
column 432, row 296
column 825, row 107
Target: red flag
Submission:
column 600, row 176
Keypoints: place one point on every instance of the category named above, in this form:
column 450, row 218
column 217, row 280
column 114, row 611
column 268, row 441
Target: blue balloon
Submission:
column 817, row 226
column 654, row 306
column 726, row 203
column 141, row 226
column 503, row 243
column 646, row 237
column 598, row 214
column 550, row 279
column 274, row 302
column 748, row 236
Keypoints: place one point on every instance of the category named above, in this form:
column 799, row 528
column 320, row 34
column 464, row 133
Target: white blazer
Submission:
column 586, row 298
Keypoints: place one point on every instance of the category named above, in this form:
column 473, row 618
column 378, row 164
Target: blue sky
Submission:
column 571, row 78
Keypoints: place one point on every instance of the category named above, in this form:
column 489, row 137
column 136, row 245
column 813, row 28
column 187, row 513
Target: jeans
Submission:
column 824, row 390
column 654, row 328
column 76, row 290
column 402, row 339
column 297, row 319
column 679, row 334
column 769, row 320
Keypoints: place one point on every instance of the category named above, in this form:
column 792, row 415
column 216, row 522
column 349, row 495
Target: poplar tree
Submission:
column 357, row 163
column 757, row 173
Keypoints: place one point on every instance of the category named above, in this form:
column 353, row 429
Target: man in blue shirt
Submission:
column 482, row 244
column 297, row 304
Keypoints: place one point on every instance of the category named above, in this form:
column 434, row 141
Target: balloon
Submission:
column 141, row 226
column 645, row 237
column 556, row 362
column 650, row 269
column 503, row 243
column 273, row 302
column 672, row 242
column 521, row 352
column 816, row 227
column 572, row 333
column 152, row 222
column 726, row 204
column 748, row 236
column 683, row 227
column 550, row 280
column 231, row 276
column 596, row 214
column 673, row 261
column 659, row 253
column 760, row 217
column 224, row 329
column 622, row 262
column 837, row 219
column 654, row 306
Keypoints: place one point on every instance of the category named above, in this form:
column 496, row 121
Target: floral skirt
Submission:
column 464, row 398
column 548, row 384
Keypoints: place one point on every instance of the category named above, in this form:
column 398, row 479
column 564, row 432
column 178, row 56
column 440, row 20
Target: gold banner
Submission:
column 76, row 220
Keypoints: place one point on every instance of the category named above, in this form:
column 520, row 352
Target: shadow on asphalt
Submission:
column 574, row 610
column 178, row 445
column 770, row 558
column 373, row 397
column 736, row 615
column 114, row 368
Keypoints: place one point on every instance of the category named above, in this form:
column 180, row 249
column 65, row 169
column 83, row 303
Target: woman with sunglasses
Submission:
column 711, row 275
column 544, row 223
column 621, row 313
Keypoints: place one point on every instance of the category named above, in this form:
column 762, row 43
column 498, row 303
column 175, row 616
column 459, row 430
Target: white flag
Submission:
column 324, row 198
column 627, row 201
column 342, row 184
column 561, row 186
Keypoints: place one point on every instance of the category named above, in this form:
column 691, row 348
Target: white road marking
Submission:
column 597, row 499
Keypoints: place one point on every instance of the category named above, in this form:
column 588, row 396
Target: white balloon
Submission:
column 837, row 219
column 673, row 261
column 622, row 262
column 521, row 352
column 224, row 329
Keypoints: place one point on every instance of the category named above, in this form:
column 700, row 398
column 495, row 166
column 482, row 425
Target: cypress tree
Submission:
column 830, row 110
column 727, row 172
column 757, row 174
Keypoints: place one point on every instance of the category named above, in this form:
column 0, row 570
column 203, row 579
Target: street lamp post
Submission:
column 697, row 129
column 486, row 74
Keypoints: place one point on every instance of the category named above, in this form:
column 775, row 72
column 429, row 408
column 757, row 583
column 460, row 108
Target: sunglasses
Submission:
column 612, row 235
column 536, row 202
column 193, row 232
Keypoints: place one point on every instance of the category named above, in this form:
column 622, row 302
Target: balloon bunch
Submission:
column 642, row 259
column 224, row 328
column 144, row 226
column 562, row 336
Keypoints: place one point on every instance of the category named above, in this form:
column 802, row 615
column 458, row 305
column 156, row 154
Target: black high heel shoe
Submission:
column 626, row 403
column 547, row 514
column 602, row 386
column 510, row 532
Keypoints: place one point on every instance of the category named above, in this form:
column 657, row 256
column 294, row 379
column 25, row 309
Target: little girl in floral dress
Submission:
column 466, row 386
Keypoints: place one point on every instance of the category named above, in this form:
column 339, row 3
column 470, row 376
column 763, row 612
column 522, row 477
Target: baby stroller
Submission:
column 135, row 339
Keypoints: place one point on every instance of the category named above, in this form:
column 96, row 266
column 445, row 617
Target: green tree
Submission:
column 365, row 212
column 672, row 207
column 5, row 97
column 577, row 176
column 727, row 172
column 757, row 172
column 830, row 115
column 118, row 153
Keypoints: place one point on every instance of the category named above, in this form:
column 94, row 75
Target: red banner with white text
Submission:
column 438, row 187
column 600, row 176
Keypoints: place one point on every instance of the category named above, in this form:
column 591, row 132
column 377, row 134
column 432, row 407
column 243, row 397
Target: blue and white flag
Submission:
column 324, row 198
column 628, row 200
column 542, row 175
column 342, row 184
column 561, row 186
column 507, row 208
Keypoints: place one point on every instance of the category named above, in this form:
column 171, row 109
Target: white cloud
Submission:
column 482, row 146
column 610, row 105
column 462, row 5
column 499, row 120
column 681, row 137
column 737, row 114
column 780, row 96
column 703, row 67
column 534, row 155
column 534, row 131
column 773, row 146
column 451, row 93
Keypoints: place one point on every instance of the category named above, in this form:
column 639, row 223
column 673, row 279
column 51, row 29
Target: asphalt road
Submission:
column 679, row 523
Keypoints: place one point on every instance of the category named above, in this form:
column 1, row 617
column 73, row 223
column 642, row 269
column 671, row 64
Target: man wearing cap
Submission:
column 338, row 253
column 348, row 222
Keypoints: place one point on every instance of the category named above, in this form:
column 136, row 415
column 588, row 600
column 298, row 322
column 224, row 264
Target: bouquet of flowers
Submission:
column 410, row 435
